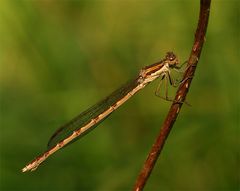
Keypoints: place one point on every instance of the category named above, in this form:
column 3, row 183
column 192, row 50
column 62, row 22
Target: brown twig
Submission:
column 179, row 98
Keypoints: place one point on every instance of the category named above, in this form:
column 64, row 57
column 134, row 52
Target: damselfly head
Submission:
column 171, row 59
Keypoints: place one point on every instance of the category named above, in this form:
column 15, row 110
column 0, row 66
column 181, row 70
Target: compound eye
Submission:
column 170, row 56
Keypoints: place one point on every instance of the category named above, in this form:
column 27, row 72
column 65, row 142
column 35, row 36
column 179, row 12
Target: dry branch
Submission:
column 179, row 98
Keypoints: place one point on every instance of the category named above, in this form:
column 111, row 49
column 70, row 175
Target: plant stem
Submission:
column 179, row 98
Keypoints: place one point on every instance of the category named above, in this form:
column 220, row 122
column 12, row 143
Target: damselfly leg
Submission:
column 173, row 82
column 166, row 76
column 177, row 68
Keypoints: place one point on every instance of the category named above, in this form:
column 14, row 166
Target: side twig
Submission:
column 179, row 98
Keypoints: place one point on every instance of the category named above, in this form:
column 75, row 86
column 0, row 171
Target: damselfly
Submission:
column 92, row 117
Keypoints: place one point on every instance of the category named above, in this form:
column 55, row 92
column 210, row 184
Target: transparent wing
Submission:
column 85, row 117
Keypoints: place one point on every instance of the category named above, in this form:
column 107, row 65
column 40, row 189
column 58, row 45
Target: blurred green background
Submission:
column 57, row 58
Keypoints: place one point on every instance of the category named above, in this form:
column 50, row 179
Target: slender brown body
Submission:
column 90, row 118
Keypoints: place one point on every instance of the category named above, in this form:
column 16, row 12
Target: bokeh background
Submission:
column 57, row 58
